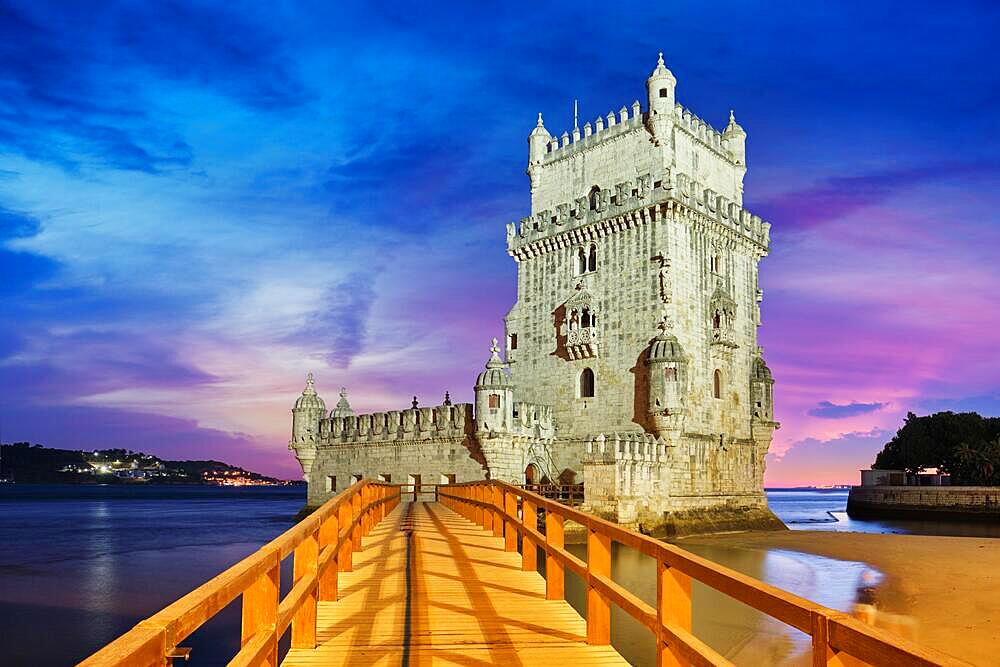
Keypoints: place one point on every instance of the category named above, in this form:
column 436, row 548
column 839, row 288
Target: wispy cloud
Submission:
column 828, row 410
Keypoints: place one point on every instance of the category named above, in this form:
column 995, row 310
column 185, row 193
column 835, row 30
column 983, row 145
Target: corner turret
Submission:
column 538, row 146
column 308, row 411
column 660, row 87
column 668, row 381
column 494, row 396
column 734, row 139
column 538, row 142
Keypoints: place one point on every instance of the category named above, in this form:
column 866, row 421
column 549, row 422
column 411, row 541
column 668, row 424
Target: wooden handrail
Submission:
column 322, row 544
column 837, row 639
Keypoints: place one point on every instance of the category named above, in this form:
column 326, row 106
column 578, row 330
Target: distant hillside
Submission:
column 25, row 463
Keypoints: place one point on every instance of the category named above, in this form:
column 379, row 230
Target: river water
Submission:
column 81, row 565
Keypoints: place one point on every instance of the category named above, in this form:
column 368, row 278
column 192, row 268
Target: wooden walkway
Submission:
column 463, row 600
column 379, row 580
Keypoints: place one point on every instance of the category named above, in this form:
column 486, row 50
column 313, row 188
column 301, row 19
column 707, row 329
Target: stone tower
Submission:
column 630, row 361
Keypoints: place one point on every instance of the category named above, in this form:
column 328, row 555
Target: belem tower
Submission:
column 630, row 360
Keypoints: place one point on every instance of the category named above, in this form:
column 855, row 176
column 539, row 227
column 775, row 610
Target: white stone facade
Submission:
column 636, row 322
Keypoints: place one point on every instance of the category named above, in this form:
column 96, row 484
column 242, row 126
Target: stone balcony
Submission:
column 582, row 342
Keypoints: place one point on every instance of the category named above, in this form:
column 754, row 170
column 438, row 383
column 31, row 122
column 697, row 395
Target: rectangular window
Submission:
column 385, row 477
column 331, row 483
column 448, row 479
column 355, row 479
column 494, row 401
column 513, row 341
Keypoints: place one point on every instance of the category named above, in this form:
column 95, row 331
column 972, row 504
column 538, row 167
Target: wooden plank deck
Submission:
column 464, row 600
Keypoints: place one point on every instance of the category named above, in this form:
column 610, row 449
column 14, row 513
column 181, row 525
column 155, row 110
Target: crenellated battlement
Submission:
column 615, row 124
column 588, row 215
column 698, row 128
column 635, row 447
column 602, row 129
column 411, row 424
column 533, row 420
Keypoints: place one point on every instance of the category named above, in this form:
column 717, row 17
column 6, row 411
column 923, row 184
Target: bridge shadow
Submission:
column 492, row 625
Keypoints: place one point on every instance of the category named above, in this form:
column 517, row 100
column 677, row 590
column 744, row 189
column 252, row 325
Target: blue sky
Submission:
column 201, row 202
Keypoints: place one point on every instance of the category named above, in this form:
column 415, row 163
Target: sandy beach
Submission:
column 947, row 585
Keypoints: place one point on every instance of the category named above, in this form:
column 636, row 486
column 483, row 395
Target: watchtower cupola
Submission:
column 308, row 411
column 660, row 87
column 494, row 395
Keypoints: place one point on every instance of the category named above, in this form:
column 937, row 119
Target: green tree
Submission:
column 963, row 444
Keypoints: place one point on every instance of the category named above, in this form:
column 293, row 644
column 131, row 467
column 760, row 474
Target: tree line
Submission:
column 965, row 445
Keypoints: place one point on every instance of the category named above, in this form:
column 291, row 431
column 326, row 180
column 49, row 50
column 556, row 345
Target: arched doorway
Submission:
column 532, row 475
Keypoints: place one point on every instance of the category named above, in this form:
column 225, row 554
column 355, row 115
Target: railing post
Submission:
column 366, row 499
column 480, row 516
column 345, row 560
column 328, row 580
column 497, row 501
column 486, row 497
column 598, row 606
column 260, row 609
column 673, row 605
column 529, row 550
column 510, row 527
column 305, row 565
column 356, row 514
column 555, row 582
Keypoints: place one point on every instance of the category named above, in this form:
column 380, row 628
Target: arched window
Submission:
column 595, row 197
column 716, row 263
column 717, row 320
column 581, row 262
column 494, row 401
column 592, row 260
column 587, row 383
column 585, row 318
column 717, row 383
column 670, row 374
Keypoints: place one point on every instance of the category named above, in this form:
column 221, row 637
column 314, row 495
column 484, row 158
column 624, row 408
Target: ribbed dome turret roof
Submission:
column 761, row 371
column 661, row 71
column 309, row 398
column 343, row 408
column 733, row 127
column 540, row 128
column 494, row 376
column 666, row 347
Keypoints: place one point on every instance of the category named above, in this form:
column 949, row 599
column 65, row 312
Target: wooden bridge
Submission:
column 380, row 579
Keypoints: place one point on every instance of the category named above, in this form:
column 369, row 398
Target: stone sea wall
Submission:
column 974, row 502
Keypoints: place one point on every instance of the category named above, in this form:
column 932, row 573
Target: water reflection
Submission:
column 739, row 632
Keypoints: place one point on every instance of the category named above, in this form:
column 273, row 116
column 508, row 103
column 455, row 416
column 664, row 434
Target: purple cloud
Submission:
column 838, row 197
column 828, row 410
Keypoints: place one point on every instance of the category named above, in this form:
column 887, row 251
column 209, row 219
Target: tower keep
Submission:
column 630, row 358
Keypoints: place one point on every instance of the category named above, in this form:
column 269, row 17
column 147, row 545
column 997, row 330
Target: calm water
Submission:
column 81, row 565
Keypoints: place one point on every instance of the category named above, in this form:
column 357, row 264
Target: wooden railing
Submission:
column 322, row 545
column 512, row 512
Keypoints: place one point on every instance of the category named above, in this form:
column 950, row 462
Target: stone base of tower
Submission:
column 695, row 485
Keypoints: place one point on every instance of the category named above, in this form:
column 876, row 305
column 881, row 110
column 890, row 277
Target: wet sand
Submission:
column 950, row 586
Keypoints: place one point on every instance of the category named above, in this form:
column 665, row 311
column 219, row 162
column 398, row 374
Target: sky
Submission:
column 200, row 202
